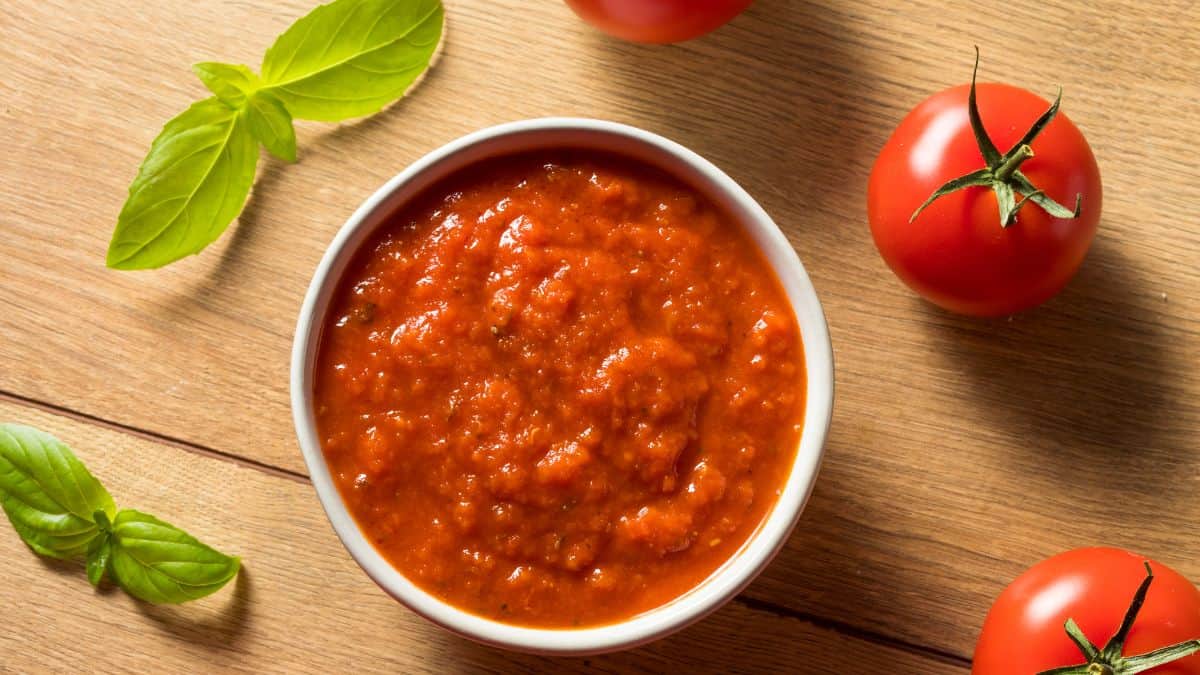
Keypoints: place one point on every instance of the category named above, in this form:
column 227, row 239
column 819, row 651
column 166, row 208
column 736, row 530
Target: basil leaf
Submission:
column 160, row 563
column 192, row 183
column 98, row 554
column 231, row 83
column 352, row 57
column 47, row 493
column 271, row 124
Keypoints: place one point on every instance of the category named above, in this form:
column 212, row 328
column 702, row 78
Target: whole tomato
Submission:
column 657, row 20
column 1098, row 589
column 977, row 248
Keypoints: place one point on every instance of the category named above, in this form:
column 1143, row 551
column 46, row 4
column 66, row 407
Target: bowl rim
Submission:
column 723, row 583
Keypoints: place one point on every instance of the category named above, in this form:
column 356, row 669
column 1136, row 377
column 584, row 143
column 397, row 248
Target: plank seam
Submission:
column 855, row 632
column 172, row 441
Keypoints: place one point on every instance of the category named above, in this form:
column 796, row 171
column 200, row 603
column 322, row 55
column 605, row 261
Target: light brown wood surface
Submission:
column 961, row 451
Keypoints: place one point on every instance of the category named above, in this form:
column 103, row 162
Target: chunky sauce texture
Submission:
column 559, row 389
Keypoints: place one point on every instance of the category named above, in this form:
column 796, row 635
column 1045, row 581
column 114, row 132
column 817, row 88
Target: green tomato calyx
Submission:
column 1110, row 660
column 1002, row 173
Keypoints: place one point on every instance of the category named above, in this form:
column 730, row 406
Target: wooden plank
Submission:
column 961, row 451
column 302, row 605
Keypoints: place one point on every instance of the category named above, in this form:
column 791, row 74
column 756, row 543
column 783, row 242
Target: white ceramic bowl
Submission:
column 738, row 571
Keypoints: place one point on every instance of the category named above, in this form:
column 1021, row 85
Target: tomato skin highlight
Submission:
column 1023, row 632
column 657, row 21
column 956, row 254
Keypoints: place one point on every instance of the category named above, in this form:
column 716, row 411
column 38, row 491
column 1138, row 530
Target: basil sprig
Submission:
column 60, row 510
column 346, row 59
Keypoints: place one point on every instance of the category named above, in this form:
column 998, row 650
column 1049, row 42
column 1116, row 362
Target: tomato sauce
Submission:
column 559, row 389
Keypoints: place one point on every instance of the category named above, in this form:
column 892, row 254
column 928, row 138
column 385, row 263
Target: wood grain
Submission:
column 301, row 604
column 961, row 452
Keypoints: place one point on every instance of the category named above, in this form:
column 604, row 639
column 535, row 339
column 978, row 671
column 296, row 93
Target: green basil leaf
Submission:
column 191, row 185
column 271, row 124
column 160, row 563
column 232, row 83
column 51, row 546
column 98, row 554
column 47, row 493
column 352, row 57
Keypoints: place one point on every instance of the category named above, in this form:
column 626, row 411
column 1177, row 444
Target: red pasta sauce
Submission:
column 559, row 389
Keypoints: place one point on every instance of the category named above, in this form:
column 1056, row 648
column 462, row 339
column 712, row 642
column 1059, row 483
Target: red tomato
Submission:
column 1023, row 633
column 657, row 20
column 956, row 253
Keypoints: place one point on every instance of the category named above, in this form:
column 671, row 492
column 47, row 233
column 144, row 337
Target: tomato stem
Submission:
column 1010, row 165
column 1111, row 660
column 1002, row 173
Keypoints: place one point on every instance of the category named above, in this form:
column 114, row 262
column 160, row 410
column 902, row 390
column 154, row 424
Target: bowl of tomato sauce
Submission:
column 562, row 386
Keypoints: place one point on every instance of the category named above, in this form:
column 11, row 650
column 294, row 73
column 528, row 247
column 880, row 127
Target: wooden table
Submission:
column 961, row 451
